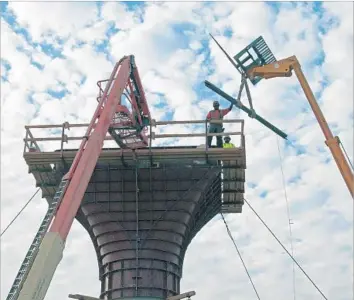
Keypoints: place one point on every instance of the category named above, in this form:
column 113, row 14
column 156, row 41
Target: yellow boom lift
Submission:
column 256, row 62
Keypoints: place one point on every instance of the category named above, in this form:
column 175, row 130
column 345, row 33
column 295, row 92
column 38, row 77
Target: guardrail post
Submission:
column 33, row 141
column 150, row 137
column 64, row 137
column 62, row 140
column 26, row 143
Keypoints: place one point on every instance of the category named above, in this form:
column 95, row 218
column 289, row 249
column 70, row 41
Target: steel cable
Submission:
column 14, row 219
column 280, row 243
column 288, row 213
column 239, row 254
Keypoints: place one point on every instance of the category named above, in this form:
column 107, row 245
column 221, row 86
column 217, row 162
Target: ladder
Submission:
column 33, row 249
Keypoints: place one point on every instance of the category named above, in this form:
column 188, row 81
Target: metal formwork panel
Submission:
column 141, row 218
column 162, row 223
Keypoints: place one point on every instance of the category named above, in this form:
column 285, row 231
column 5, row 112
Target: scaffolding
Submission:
column 232, row 162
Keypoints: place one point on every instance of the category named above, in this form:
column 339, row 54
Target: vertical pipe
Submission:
column 242, row 133
column 136, row 229
column 206, row 135
column 151, row 195
column 122, row 198
column 109, row 187
column 150, row 142
column 331, row 141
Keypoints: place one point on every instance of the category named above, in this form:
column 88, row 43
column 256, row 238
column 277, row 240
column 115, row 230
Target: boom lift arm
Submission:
column 46, row 251
column 284, row 68
column 256, row 61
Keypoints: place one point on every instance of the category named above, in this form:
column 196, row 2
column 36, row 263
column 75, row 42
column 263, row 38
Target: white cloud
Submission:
column 125, row 21
column 173, row 63
column 62, row 19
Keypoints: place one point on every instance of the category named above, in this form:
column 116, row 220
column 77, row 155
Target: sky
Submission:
column 49, row 69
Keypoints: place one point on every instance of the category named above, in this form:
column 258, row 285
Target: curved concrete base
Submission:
column 141, row 222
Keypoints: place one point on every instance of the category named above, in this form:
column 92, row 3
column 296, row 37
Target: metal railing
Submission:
column 31, row 144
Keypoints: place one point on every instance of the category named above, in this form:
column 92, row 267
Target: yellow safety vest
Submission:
column 228, row 145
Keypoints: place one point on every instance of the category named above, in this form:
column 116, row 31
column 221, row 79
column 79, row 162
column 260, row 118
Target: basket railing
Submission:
column 31, row 142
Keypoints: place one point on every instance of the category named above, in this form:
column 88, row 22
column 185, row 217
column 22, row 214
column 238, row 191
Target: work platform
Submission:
column 142, row 208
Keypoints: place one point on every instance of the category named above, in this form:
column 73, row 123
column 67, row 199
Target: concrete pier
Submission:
column 143, row 208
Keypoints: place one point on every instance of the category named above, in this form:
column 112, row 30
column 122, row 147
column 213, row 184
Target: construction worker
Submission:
column 227, row 143
column 217, row 114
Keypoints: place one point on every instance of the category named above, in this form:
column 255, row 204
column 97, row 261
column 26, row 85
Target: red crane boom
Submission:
column 128, row 129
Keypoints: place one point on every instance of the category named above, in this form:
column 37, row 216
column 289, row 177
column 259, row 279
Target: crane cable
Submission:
column 288, row 213
column 280, row 243
column 239, row 254
column 346, row 154
column 22, row 209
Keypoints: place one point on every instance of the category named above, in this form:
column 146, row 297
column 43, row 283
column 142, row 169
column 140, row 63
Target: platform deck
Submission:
column 44, row 165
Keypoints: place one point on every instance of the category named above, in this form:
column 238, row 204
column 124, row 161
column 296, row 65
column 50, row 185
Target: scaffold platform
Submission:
column 47, row 167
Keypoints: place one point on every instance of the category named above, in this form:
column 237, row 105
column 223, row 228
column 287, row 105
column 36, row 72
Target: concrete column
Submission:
column 172, row 205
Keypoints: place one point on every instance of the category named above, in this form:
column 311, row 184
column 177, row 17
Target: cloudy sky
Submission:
column 52, row 54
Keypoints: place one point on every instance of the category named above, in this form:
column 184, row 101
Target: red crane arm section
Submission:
column 143, row 102
column 86, row 158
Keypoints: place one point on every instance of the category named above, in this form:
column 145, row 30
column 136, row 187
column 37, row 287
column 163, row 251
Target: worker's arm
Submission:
column 225, row 111
column 208, row 117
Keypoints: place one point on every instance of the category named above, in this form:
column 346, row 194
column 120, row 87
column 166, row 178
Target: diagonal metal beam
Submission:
column 245, row 109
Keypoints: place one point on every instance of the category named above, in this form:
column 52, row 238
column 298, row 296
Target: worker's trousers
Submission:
column 215, row 128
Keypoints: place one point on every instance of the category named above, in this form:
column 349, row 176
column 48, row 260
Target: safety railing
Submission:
column 31, row 142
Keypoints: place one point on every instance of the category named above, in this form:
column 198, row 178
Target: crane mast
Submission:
column 128, row 128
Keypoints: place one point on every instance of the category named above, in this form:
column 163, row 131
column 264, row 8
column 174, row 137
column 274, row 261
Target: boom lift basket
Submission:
column 256, row 54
